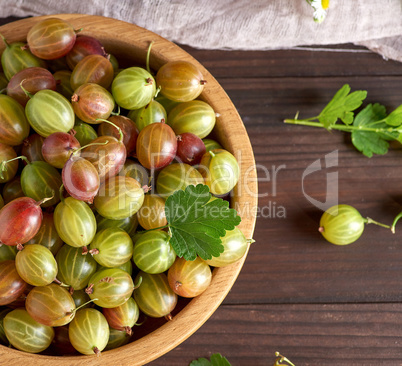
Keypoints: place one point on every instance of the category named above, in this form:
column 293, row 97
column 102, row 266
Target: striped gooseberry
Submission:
column 156, row 146
column 14, row 126
column 84, row 45
column 342, row 224
column 235, row 246
column 151, row 113
column 189, row 278
column 25, row 333
column 10, row 167
column 89, row 331
column 220, row 171
column 63, row 85
column 190, row 148
column 211, row 144
column 123, row 317
column 180, row 81
column 92, row 102
column 75, row 222
column 152, row 212
column 32, row 147
column 111, row 247
column 128, row 224
column 117, row 338
column 57, row 148
column 153, row 252
column 133, row 88
column 119, row 197
column 195, row 116
column 177, row 176
column 107, row 154
column 128, row 128
column 20, row 220
column 47, row 234
column 36, row 265
column 33, row 79
column 137, row 171
column 39, row 180
column 48, row 111
column 51, row 38
column 50, row 305
column 12, row 190
column 12, row 286
column 16, row 57
column 110, row 287
column 74, row 268
column 7, row 252
column 84, row 132
column 154, row 296
column 95, row 69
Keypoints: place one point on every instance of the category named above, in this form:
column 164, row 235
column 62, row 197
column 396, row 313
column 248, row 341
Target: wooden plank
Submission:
column 307, row 334
column 290, row 261
column 345, row 60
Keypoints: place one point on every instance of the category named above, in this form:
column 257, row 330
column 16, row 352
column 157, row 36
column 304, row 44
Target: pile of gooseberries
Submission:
column 89, row 152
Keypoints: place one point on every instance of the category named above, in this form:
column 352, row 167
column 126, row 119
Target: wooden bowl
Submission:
column 130, row 43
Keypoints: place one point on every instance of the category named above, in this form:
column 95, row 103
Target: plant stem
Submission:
column 347, row 128
column 115, row 126
column 371, row 221
column 148, row 56
column 395, row 221
column 156, row 228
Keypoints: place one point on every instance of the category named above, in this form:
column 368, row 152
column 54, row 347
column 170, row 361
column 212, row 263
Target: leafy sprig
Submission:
column 216, row 360
column 370, row 130
column 196, row 223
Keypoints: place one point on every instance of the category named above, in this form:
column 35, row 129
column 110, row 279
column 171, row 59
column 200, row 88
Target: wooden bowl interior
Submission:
column 130, row 43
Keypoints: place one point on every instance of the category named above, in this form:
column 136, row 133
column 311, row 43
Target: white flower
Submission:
column 319, row 12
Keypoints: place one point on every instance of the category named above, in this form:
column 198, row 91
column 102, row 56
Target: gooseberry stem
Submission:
column 82, row 305
column 27, row 93
column 281, row 358
column 371, row 221
column 157, row 91
column 116, row 113
column 395, row 221
column 91, row 144
column 156, row 228
column 3, row 167
column 148, row 56
column 43, row 200
column 4, row 40
column 347, row 128
column 115, row 126
column 61, row 195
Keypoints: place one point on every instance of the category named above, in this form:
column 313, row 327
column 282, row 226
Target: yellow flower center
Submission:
column 325, row 4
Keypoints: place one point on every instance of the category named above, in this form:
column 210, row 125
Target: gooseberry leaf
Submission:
column 342, row 106
column 197, row 223
column 216, row 360
column 395, row 117
column 371, row 142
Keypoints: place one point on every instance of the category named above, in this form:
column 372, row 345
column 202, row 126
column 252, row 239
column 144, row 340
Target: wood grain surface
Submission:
column 317, row 303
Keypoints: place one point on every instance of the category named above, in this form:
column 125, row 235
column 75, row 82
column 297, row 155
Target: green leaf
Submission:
column 342, row 106
column 395, row 117
column 197, row 223
column 368, row 142
column 216, row 360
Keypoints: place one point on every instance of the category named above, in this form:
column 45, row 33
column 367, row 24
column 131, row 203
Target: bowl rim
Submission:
column 229, row 124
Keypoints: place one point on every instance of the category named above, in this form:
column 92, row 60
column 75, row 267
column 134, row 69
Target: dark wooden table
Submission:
column 317, row 303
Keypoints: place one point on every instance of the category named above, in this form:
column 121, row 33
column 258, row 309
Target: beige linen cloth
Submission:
column 243, row 24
